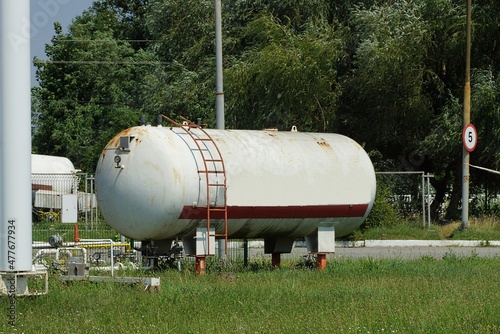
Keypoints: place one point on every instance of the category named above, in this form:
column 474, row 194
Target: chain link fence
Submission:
column 49, row 192
column 50, row 229
column 103, row 249
column 408, row 192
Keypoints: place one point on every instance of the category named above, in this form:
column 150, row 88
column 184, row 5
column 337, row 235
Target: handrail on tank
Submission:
column 172, row 122
column 187, row 122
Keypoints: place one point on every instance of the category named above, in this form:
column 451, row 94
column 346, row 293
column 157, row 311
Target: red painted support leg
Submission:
column 321, row 261
column 76, row 237
column 200, row 265
column 275, row 260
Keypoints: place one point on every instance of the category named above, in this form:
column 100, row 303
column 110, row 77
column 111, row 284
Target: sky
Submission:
column 43, row 15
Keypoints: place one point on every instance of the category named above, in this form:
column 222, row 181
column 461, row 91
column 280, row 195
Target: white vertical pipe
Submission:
column 219, row 93
column 15, row 136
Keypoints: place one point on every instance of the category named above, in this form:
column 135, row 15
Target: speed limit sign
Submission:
column 469, row 137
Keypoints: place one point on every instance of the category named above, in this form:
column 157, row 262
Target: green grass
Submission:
column 484, row 228
column 451, row 295
column 402, row 231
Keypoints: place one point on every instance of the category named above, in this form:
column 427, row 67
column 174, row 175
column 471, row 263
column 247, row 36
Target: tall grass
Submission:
column 451, row 295
column 403, row 230
column 484, row 228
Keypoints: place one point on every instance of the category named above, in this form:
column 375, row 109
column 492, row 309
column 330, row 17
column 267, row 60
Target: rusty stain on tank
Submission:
column 177, row 175
column 131, row 132
column 324, row 144
column 114, row 142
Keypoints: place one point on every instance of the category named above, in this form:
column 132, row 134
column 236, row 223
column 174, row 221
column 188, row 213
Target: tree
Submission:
column 285, row 78
column 443, row 144
column 386, row 84
column 387, row 73
column 184, row 42
column 89, row 89
column 407, row 79
column 300, row 58
column 486, row 118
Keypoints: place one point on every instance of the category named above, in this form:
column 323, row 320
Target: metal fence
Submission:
column 48, row 205
column 409, row 192
column 54, row 240
column 89, row 244
column 100, row 248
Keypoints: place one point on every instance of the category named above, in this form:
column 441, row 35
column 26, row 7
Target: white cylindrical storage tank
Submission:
column 54, row 173
column 49, row 164
column 150, row 183
column 15, row 136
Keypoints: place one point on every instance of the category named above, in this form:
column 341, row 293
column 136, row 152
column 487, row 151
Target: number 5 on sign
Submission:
column 469, row 137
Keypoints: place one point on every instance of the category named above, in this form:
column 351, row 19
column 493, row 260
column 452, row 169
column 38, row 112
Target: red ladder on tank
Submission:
column 211, row 161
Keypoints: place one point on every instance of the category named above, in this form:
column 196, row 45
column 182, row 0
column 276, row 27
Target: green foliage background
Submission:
column 386, row 73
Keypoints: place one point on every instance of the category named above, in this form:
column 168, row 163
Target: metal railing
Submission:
column 48, row 191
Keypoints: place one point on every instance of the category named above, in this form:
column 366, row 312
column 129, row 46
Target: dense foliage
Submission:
column 389, row 74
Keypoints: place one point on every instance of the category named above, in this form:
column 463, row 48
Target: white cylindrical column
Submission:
column 219, row 93
column 15, row 136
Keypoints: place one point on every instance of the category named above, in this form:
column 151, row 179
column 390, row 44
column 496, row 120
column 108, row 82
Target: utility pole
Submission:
column 466, row 158
column 219, row 93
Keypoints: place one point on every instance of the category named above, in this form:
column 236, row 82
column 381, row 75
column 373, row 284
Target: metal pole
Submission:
column 219, row 93
column 86, row 201
column 423, row 200
column 92, row 216
column 429, row 201
column 466, row 119
column 15, row 136
column 245, row 253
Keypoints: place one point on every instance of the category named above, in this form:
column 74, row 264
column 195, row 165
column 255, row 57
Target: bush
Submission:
column 383, row 213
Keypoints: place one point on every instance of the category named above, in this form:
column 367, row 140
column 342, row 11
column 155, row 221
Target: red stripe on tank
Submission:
column 278, row 212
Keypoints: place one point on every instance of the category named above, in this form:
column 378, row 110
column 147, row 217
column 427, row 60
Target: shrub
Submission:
column 383, row 213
